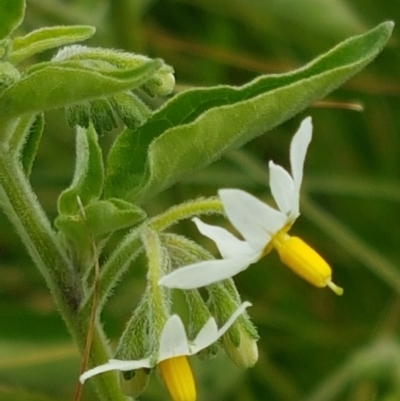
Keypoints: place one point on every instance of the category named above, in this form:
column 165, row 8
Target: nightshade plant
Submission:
column 102, row 89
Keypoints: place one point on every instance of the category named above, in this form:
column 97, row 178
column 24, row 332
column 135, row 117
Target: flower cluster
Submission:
column 263, row 228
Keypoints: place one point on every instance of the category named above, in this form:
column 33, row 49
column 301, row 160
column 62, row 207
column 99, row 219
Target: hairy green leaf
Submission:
column 87, row 183
column 11, row 16
column 99, row 218
column 48, row 38
column 198, row 126
column 55, row 85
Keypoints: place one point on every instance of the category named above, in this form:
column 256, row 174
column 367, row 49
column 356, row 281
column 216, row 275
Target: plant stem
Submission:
column 131, row 246
column 24, row 211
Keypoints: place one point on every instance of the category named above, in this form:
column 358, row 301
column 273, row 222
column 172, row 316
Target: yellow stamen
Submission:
column 178, row 378
column 304, row 261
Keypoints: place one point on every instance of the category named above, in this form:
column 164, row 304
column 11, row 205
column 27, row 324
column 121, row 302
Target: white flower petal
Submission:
column 205, row 273
column 298, row 150
column 206, row 336
column 282, row 188
column 255, row 220
column 115, row 364
column 173, row 341
column 228, row 245
column 210, row 333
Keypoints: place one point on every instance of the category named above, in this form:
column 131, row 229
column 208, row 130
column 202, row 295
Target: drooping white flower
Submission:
column 262, row 227
column 173, row 344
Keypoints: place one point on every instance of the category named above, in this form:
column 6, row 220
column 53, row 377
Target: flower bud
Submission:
column 162, row 83
column 244, row 355
column 240, row 341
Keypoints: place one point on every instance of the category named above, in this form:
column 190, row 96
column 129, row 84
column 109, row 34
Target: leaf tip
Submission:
column 387, row 27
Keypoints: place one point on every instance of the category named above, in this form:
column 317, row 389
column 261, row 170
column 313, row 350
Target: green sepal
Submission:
column 11, row 16
column 87, row 182
column 130, row 109
column 48, row 38
column 197, row 126
column 78, row 114
column 136, row 343
column 102, row 115
column 59, row 85
column 31, row 145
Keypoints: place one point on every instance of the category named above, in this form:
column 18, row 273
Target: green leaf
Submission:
column 30, row 147
column 102, row 217
column 48, row 38
column 11, row 16
column 198, row 126
column 106, row 216
column 87, row 183
column 62, row 84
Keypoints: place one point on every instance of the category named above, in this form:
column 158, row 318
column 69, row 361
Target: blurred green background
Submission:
column 314, row 345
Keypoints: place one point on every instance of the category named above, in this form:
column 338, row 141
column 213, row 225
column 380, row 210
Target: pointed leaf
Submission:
column 62, row 84
column 101, row 218
column 87, row 183
column 107, row 216
column 48, row 38
column 197, row 126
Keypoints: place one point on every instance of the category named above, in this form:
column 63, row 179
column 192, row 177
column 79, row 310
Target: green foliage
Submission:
column 99, row 218
column 313, row 346
column 47, row 38
column 88, row 177
column 65, row 83
column 12, row 15
column 197, row 126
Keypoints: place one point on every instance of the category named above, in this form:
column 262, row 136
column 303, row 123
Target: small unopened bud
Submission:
column 178, row 378
column 305, row 261
column 240, row 341
column 244, row 355
column 162, row 83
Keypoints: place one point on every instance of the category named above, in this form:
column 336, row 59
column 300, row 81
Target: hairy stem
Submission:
column 22, row 207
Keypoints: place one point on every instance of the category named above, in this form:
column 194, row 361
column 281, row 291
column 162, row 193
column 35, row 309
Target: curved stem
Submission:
column 131, row 246
column 185, row 211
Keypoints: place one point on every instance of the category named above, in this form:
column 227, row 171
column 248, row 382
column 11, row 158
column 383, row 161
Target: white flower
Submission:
column 173, row 344
column 262, row 228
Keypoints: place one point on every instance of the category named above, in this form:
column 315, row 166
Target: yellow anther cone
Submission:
column 178, row 378
column 305, row 261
